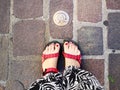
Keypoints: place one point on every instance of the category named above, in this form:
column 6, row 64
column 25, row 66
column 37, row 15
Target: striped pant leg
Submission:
column 73, row 78
column 50, row 81
column 78, row 79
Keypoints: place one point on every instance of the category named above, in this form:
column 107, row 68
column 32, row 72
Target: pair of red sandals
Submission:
column 66, row 55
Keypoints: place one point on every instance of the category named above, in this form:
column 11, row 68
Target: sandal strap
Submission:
column 48, row 70
column 44, row 57
column 75, row 57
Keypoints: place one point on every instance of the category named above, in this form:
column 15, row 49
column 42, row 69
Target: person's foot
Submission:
column 52, row 61
column 72, row 49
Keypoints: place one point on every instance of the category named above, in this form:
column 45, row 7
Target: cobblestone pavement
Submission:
column 27, row 25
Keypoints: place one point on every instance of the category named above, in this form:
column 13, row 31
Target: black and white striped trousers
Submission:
column 72, row 78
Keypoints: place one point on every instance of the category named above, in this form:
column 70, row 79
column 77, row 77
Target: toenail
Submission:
column 57, row 45
column 66, row 43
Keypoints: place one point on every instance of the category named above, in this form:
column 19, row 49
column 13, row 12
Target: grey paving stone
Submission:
column 114, row 31
column 61, row 32
column 3, row 58
column 4, row 16
column 28, row 8
column 95, row 66
column 91, row 40
column 114, row 71
column 90, row 10
column 25, row 71
column 14, row 85
column 113, row 4
column 28, row 38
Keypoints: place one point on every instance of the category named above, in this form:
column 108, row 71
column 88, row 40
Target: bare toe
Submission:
column 51, row 47
column 66, row 46
column 57, row 47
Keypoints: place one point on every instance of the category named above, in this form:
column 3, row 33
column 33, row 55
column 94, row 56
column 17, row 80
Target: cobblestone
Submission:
column 113, row 4
column 114, row 71
column 25, row 72
column 4, row 16
column 28, row 38
column 27, row 25
column 3, row 58
column 114, row 31
column 28, row 8
column 90, row 11
column 14, row 85
column 91, row 40
column 96, row 67
column 61, row 32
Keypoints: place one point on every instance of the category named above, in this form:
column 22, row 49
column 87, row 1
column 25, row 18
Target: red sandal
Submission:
column 75, row 57
column 44, row 57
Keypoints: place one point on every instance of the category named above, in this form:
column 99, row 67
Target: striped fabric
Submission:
column 72, row 78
